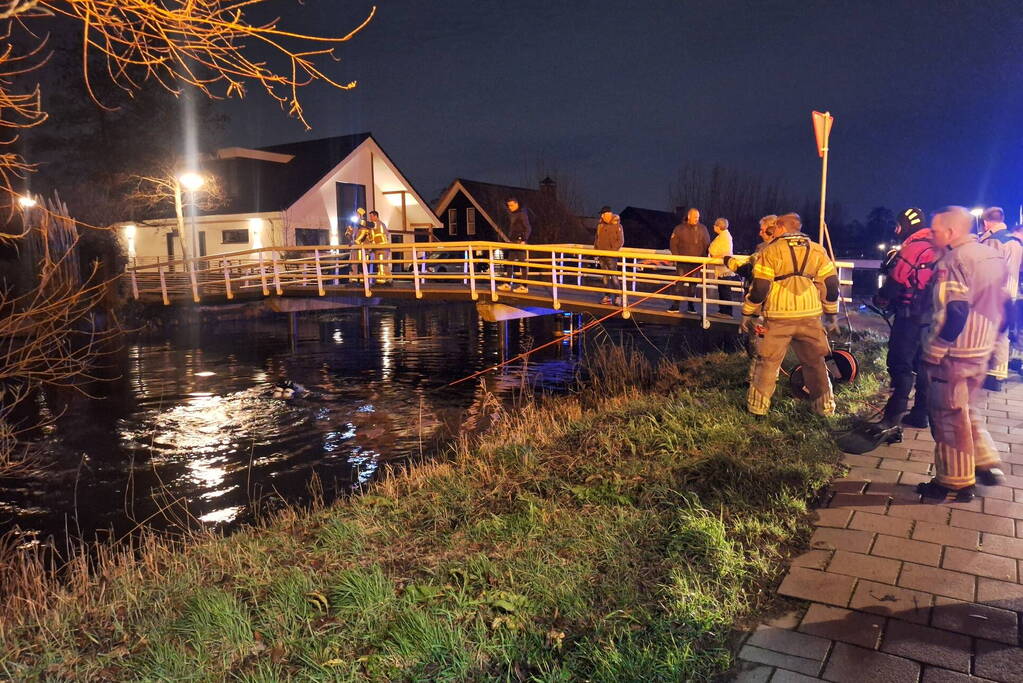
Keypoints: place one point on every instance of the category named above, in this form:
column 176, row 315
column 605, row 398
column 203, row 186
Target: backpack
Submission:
column 912, row 266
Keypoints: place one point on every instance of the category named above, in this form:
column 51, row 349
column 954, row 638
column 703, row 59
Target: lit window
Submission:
column 470, row 221
column 452, row 221
column 235, row 237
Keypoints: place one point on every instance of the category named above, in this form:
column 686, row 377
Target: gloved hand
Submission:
column 830, row 323
column 749, row 325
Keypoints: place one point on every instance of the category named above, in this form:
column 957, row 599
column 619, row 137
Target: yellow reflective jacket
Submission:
column 793, row 270
column 372, row 234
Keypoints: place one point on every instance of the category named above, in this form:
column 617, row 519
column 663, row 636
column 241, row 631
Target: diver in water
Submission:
column 287, row 389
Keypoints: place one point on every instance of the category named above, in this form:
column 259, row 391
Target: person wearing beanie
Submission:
column 609, row 237
column 997, row 236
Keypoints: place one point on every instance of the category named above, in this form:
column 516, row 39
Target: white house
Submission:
column 301, row 193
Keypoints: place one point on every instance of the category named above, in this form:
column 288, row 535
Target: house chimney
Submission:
column 549, row 187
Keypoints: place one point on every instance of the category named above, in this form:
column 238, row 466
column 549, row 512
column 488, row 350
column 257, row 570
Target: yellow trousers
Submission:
column 961, row 441
column 810, row 342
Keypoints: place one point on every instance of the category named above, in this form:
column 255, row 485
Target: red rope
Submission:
column 596, row 321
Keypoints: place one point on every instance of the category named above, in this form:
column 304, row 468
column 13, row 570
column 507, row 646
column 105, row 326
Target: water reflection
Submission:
column 191, row 421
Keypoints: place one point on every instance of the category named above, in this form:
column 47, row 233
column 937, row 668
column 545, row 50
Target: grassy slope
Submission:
column 622, row 534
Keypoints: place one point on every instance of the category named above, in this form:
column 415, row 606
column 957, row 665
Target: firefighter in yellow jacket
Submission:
column 997, row 236
column 967, row 318
column 375, row 232
column 794, row 283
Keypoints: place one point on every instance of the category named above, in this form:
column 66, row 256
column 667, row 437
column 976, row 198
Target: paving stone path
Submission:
column 897, row 590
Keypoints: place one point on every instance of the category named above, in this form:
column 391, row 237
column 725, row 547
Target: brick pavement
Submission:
column 894, row 590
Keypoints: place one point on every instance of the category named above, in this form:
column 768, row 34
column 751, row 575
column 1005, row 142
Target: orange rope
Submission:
column 582, row 329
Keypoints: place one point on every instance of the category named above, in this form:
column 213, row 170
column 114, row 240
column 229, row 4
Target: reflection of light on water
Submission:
column 221, row 516
column 365, row 465
column 210, row 495
column 204, row 373
column 332, row 441
column 205, row 471
column 367, row 408
column 386, row 348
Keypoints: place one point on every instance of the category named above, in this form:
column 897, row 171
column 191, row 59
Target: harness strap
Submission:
column 800, row 268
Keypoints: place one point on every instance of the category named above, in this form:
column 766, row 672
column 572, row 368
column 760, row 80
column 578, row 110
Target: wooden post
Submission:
column 134, row 283
column 415, row 271
column 625, row 291
column 470, row 262
column 319, row 273
column 365, row 271
column 493, row 283
column 703, row 297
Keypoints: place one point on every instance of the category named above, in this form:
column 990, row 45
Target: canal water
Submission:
column 189, row 432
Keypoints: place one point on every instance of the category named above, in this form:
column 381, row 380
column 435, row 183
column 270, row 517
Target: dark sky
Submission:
column 926, row 94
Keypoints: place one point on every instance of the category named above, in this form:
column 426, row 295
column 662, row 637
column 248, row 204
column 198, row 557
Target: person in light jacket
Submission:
column 721, row 247
column 609, row 237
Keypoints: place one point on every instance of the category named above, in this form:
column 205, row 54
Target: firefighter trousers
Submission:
column 810, row 342
column 999, row 365
column 961, row 441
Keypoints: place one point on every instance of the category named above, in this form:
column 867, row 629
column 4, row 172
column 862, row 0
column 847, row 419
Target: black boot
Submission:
column 868, row 436
column 917, row 419
column 932, row 490
column 990, row 477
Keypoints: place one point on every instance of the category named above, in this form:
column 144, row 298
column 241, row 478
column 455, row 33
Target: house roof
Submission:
column 489, row 198
column 256, row 185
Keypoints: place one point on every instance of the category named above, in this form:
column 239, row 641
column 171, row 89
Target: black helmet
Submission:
column 908, row 222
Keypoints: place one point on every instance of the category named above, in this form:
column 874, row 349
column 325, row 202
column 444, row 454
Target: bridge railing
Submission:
column 552, row 272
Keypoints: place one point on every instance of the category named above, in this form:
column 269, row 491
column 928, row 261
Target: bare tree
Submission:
column 210, row 45
column 741, row 198
column 166, row 189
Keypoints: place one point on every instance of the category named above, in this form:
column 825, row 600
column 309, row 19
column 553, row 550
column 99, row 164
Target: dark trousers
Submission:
column 686, row 288
column 725, row 294
column 512, row 270
column 904, row 364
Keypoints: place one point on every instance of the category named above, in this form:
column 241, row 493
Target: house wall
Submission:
column 460, row 203
column 150, row 239
column 366, row 166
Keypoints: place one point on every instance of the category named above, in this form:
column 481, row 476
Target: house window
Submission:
column 470, row 221
column 452, row 221
column 235, row 237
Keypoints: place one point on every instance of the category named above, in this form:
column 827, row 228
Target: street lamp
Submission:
column 192, row 181
column 977, row 212
column 26, row 201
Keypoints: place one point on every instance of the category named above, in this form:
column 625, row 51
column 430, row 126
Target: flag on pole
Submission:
column 822, row 130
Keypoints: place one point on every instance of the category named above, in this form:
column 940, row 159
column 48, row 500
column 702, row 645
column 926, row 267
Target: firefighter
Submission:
column 997, row 236
column 968, row 301
column 908, row 271
column 375, row 232
column 794, row 282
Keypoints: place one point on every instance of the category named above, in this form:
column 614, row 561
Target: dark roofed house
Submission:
column 648, row 228
column 300, row 193
column 475, row 210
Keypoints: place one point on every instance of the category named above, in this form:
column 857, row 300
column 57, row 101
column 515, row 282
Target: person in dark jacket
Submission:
column 519, row 231
column 688, row 239
column 609, row 237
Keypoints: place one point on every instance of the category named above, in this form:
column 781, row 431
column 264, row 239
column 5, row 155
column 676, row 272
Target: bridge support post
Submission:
column 554, row 281
column 134, row 283
column 277, row 274
column 262, row 275
column 319, row 273
column 227, row 279
column 626, row 313
column 470, row 263
column 163, row 287
column 191, row 276
column 493, row 283
column 703, row 298
column 415, row 272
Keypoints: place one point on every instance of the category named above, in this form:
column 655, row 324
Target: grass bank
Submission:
column 621, row 534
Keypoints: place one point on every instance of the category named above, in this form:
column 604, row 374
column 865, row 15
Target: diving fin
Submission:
column 868, row 436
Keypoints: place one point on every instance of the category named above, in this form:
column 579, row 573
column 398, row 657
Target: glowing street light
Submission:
column 27, row 201
column 191, row 181
column 977, row 212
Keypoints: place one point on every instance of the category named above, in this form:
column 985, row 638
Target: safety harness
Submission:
column 799, row 269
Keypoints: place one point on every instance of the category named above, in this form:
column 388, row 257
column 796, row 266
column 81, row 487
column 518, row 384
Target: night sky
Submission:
column 618, row 96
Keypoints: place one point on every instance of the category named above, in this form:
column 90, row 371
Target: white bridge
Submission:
column 634, row 282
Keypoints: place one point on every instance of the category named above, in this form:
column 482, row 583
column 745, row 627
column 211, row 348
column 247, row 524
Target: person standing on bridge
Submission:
column 968, row 312
column 609, row 237
column 997, row 236
column 794, row 281
column 375, row 232
column 721, row 247
column 519, row 230
column 689, row 238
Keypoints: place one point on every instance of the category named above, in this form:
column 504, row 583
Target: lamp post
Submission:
column 191, row 181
